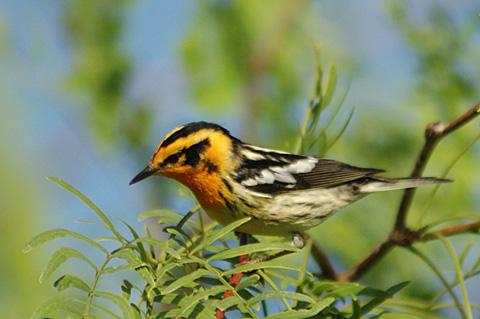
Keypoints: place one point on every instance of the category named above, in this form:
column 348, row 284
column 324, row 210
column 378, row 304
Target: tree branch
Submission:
column 433, row 134
column 400, row 234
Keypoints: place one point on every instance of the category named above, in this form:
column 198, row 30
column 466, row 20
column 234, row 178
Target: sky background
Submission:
column 44, row 133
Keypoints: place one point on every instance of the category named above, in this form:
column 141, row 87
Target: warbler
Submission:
column 283, row 193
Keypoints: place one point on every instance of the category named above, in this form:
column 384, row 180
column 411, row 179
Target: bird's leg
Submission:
column 297, row 241
column 243, row 238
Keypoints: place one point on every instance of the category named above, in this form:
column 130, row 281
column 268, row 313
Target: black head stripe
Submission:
column 192, row 154
column 190, row 128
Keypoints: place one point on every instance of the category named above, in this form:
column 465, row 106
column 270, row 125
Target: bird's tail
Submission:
column 380, row 184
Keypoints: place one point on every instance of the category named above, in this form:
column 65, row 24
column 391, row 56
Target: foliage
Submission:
column 321, row 98
column 181, row 277
column 444, row 50
column 249, row 55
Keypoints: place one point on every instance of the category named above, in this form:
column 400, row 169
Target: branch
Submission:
column 400, row 234
column 433, row 134
column 451, row 231
column 323, row 262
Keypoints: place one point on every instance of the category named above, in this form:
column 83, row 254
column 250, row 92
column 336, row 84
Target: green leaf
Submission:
column 187, row 217
column 164, row 269
column 184, row 191
column 130, row 257
column 273, row 264
column 90, row 222
column 376, row 293
column 465, row 252
column 248, row 249
column 394, row 289
column 102, row 307
column 44, row 310
column 357, row 308
column 440, row 276
column 460, row 276
column 183, row 281
column 281, row 294
column 149, row 235
column 135, row 263
column 303, row 313
column 339, row 106
column 127, row 289
column 249, row 281
column 59, row 233
column 200, row 311
column 194, row 300
column 89, row 203
column 68, row 281
column 127, row 311
column 166, row 216
column 330, row 86
column 380, row 296
column 171, row 299
column 344, row 127
column 183, row 237
column 141, row 249
column 398, row 316
column 219, row 234
column 58, row 258
column 113, row 269
column 160, row 244
column 340, row 289
column 229, row 302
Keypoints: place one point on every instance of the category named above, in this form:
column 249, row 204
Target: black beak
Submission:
column 147, row 172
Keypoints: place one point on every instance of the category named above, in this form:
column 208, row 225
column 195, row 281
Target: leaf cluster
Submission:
column 186, row 275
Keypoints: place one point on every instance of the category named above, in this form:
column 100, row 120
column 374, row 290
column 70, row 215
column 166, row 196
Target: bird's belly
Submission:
column 290, row 212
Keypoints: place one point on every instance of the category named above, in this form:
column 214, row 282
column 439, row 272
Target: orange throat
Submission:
column 207, row 188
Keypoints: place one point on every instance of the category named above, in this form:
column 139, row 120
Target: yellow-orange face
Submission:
column 197, row 155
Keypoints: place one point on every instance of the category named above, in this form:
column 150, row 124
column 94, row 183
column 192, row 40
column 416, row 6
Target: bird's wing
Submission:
column 329, row 173
column 270, row 172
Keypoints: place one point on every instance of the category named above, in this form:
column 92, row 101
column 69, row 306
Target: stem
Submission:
column 458, row 270
column 94, row 285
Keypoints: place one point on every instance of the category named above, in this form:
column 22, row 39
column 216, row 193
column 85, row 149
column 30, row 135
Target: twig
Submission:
column 400, row 234
column 323, row 262
column 235, row 279
column 451, row 231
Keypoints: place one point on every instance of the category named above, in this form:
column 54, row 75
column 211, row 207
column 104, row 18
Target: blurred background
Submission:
column 89, row 88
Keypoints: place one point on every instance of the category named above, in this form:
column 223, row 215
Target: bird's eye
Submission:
column 172, row 159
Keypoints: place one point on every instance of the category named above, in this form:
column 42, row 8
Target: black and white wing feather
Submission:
column 268, row 171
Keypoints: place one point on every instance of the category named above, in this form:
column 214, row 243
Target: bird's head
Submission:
column 191, row 150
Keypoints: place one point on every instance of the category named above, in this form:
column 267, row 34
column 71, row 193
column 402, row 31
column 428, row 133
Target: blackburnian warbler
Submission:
column 283, row 193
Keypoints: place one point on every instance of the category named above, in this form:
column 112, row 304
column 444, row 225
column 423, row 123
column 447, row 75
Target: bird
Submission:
column 284, row 194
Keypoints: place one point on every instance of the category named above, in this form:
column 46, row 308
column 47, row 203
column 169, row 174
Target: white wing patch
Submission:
column 282, row 174
column 252, row 155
